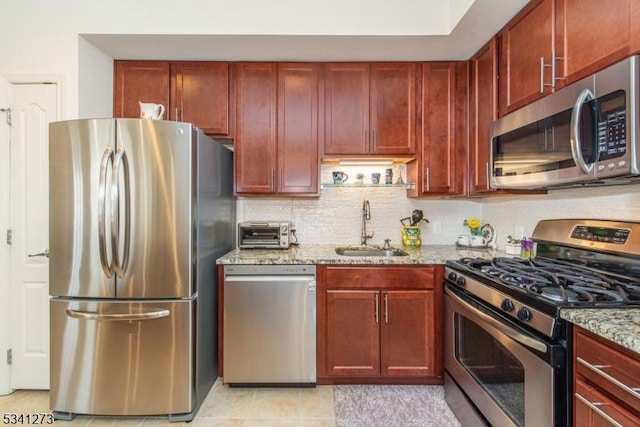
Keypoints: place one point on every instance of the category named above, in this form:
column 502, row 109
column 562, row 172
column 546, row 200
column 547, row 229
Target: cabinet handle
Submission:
column 554, row 59
column 541, row 74
column 488, row 175
column 366, row 137
column 542, row 67
column 594, row 407
column 376, row 312
column 386, row 308
column 427, row 179
column 553, row 68
column 597, row 369
column 374, row 138
column 177, row 114
column 551, row 65
column 273, row 179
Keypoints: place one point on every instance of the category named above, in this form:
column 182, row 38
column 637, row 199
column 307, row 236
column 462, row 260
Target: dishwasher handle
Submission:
column 269, row 278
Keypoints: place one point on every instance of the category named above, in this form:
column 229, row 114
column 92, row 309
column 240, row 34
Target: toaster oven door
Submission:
column 256, row 237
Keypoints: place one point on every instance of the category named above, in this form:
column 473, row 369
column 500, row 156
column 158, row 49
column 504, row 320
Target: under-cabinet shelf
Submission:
column 405, row 186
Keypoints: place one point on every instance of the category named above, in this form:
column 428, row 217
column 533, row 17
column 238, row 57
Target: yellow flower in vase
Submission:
column 474, row 226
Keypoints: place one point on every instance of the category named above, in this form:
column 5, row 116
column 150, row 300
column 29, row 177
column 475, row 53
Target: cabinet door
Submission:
column 524, row 44
column 144, row 81
column 407, row 339
column 438, row 129
column 201, row 96
column 255, row 143
column 298, row 128
column 392, row 108
column 590, row 35
column 484, row 110
column 346, row 108
column 353, row 333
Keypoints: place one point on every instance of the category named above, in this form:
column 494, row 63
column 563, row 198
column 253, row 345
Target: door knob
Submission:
column 45, row 253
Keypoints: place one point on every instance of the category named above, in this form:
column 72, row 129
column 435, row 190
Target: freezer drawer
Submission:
column 122, row 357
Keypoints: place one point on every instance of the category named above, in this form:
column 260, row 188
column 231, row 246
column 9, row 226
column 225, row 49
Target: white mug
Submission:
column 149, row 110
column 464, row 240
column 478, row 241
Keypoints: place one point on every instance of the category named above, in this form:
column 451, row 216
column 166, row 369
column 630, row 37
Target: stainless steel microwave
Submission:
column 586, row 133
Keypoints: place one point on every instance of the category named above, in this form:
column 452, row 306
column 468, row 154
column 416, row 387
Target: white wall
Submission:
column 295, row 17
column 95, row 81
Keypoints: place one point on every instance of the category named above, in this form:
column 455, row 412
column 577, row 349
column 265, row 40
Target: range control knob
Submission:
column 507, row 305
column 461, row 281
column 452, row 276
column 524, row 314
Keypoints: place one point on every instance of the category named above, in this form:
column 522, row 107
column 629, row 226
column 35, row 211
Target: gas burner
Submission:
column 474, row 263
column 600, row 296
column 559, row 294
column 561, row 282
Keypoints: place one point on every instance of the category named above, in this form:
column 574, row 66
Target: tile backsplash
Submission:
column 336, row 216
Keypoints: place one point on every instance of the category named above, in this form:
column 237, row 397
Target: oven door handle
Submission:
column 510, row 332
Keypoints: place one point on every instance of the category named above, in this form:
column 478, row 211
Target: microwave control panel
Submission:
column 612, row 127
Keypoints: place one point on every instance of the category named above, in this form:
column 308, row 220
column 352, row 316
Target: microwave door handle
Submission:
column 574, row 137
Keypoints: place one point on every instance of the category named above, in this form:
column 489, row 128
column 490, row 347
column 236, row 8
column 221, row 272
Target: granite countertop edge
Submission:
column 325, row 254
column 620, row 325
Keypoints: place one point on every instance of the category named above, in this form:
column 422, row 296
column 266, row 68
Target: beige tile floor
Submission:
column 223, row 406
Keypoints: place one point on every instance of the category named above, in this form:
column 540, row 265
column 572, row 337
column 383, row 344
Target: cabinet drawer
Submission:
column 595, row 409
column 608, row 368
column 380, row 277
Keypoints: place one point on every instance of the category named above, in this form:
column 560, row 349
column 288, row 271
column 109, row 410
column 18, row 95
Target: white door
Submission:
column 32, row 106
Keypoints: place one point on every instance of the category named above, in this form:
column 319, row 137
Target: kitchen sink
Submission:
column 369, row 251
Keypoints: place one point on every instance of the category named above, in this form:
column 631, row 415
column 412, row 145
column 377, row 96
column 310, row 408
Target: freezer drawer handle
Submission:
column 88, row 315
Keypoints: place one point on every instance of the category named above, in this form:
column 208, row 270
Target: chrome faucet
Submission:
column 366, row 215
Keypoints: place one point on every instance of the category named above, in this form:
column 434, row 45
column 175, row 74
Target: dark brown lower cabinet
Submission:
column 379, row 324
column 605, row 384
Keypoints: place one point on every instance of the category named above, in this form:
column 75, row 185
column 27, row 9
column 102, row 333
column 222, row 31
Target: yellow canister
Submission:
column 411, row 235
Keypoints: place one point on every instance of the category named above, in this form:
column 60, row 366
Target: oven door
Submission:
column 512, row 377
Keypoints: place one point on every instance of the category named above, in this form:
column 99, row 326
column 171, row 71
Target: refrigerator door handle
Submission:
column 89, row 315
column 120, row 265
column 107, row 157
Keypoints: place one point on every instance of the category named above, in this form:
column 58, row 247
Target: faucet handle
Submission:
column 387, row 244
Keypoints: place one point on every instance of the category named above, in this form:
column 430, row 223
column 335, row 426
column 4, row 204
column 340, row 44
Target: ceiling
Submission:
column 475, row 27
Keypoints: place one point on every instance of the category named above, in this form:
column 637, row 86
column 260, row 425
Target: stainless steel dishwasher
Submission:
column 269, row 333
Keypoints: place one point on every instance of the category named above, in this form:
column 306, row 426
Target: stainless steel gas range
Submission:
column 507, row 351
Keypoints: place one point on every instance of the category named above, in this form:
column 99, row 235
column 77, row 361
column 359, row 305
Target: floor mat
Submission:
column 397, row 405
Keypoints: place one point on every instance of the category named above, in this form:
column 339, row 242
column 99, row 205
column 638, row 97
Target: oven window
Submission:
column 491, row 364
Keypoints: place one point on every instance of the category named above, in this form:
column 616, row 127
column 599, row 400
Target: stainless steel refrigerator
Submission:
column 139, row 212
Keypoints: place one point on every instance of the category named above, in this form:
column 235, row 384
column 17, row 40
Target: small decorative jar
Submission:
column 411, row 235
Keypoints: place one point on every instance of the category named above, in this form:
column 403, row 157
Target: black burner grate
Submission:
column 560, row 282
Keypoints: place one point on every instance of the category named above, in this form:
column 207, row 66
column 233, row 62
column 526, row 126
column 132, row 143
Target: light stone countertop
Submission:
column 620, row 325
column 325, row 254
